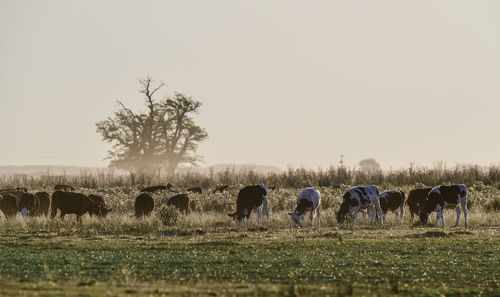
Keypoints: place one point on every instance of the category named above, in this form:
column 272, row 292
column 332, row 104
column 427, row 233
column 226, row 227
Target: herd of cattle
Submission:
column 421, row 202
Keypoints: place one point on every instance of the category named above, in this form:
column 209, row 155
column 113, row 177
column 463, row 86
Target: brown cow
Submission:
column 195, row 190
column 44, row 206
column 181, row 202
column 169, row 187
column 29, row 202
column 9, row 204
column 63, row 188
column 221, row 189
column 144, row 205
column 99, row 199
column 74, row 203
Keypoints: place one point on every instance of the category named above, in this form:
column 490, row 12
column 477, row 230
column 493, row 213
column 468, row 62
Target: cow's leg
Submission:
column 437, row 218
column 371, row 213
column 78, row 218
column 458, row 215
column 355, row 216
column 311, row 216
column 411, row 217
column 442, row 217
column 318, row 214
column 62, row 216
column 379, row 210
column 401, row 210
column 259, row 215
column 396, row 215
column 464, row 208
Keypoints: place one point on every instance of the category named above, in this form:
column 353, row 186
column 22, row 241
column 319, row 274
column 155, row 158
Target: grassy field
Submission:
column 207, row 254
column 257, row 261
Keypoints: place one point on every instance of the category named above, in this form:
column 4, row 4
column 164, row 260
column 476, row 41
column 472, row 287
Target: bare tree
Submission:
column 162, row 137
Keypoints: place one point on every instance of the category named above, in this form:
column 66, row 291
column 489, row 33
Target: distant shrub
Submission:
column 493, row 204
column 168, row 214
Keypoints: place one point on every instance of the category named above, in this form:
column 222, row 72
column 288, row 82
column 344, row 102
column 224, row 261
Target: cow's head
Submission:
column 343, row 211
column 341, row 217
column 235, row 216
column 424, row 217
column 295, row 217
column 104, row 211
column 95, row 209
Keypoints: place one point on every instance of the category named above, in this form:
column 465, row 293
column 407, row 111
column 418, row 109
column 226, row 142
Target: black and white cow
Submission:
column 416, row 201
column 392, row 201
column 251, row 198
column 442, row 197
column 309, row 200
column 357, row 198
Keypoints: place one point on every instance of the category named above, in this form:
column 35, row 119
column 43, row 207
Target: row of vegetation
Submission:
column 291, row 178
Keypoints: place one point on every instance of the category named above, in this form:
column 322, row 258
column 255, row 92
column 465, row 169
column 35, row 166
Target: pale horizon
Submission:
column 284, row 84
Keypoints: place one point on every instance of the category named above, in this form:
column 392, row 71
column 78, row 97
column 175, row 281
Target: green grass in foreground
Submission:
column 280, row 262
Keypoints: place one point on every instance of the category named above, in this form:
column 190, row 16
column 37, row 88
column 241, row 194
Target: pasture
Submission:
column 206, row 254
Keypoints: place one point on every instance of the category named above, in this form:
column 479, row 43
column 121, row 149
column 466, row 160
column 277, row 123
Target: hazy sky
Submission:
column 282, row 82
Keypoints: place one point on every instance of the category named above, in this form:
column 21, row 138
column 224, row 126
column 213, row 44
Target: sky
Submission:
column 282, row 83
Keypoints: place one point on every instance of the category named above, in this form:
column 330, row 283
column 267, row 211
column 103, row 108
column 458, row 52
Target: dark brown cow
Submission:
column 181, row 202
column 144, row 205
column 63, row 188
column 195, row 190
column 44, row 206
column 74, row 203
column 251, row 198
column 99, row 199
column 9, row 204
column 416, row 201
column 29, row 202
column 221, row 189
column 169, row 187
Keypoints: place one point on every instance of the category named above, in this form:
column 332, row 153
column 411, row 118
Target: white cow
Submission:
column 357, row 198
column 309, row 200
column 442, row 197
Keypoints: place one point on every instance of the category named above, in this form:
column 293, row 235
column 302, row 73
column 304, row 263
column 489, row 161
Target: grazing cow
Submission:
column 195, row 190
column 28, row 203
column 63, row 188
column 9, row 204
column 357, row 198
column 309, row 200
column 44, row 203
column 251, row 198
column 181, row 202
column 169, row 187
column 74, row 203
column 144, row 205
column 221, row 189
column 392, row 201
column 99, row 199
column 416, row 200
column 442, row 197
